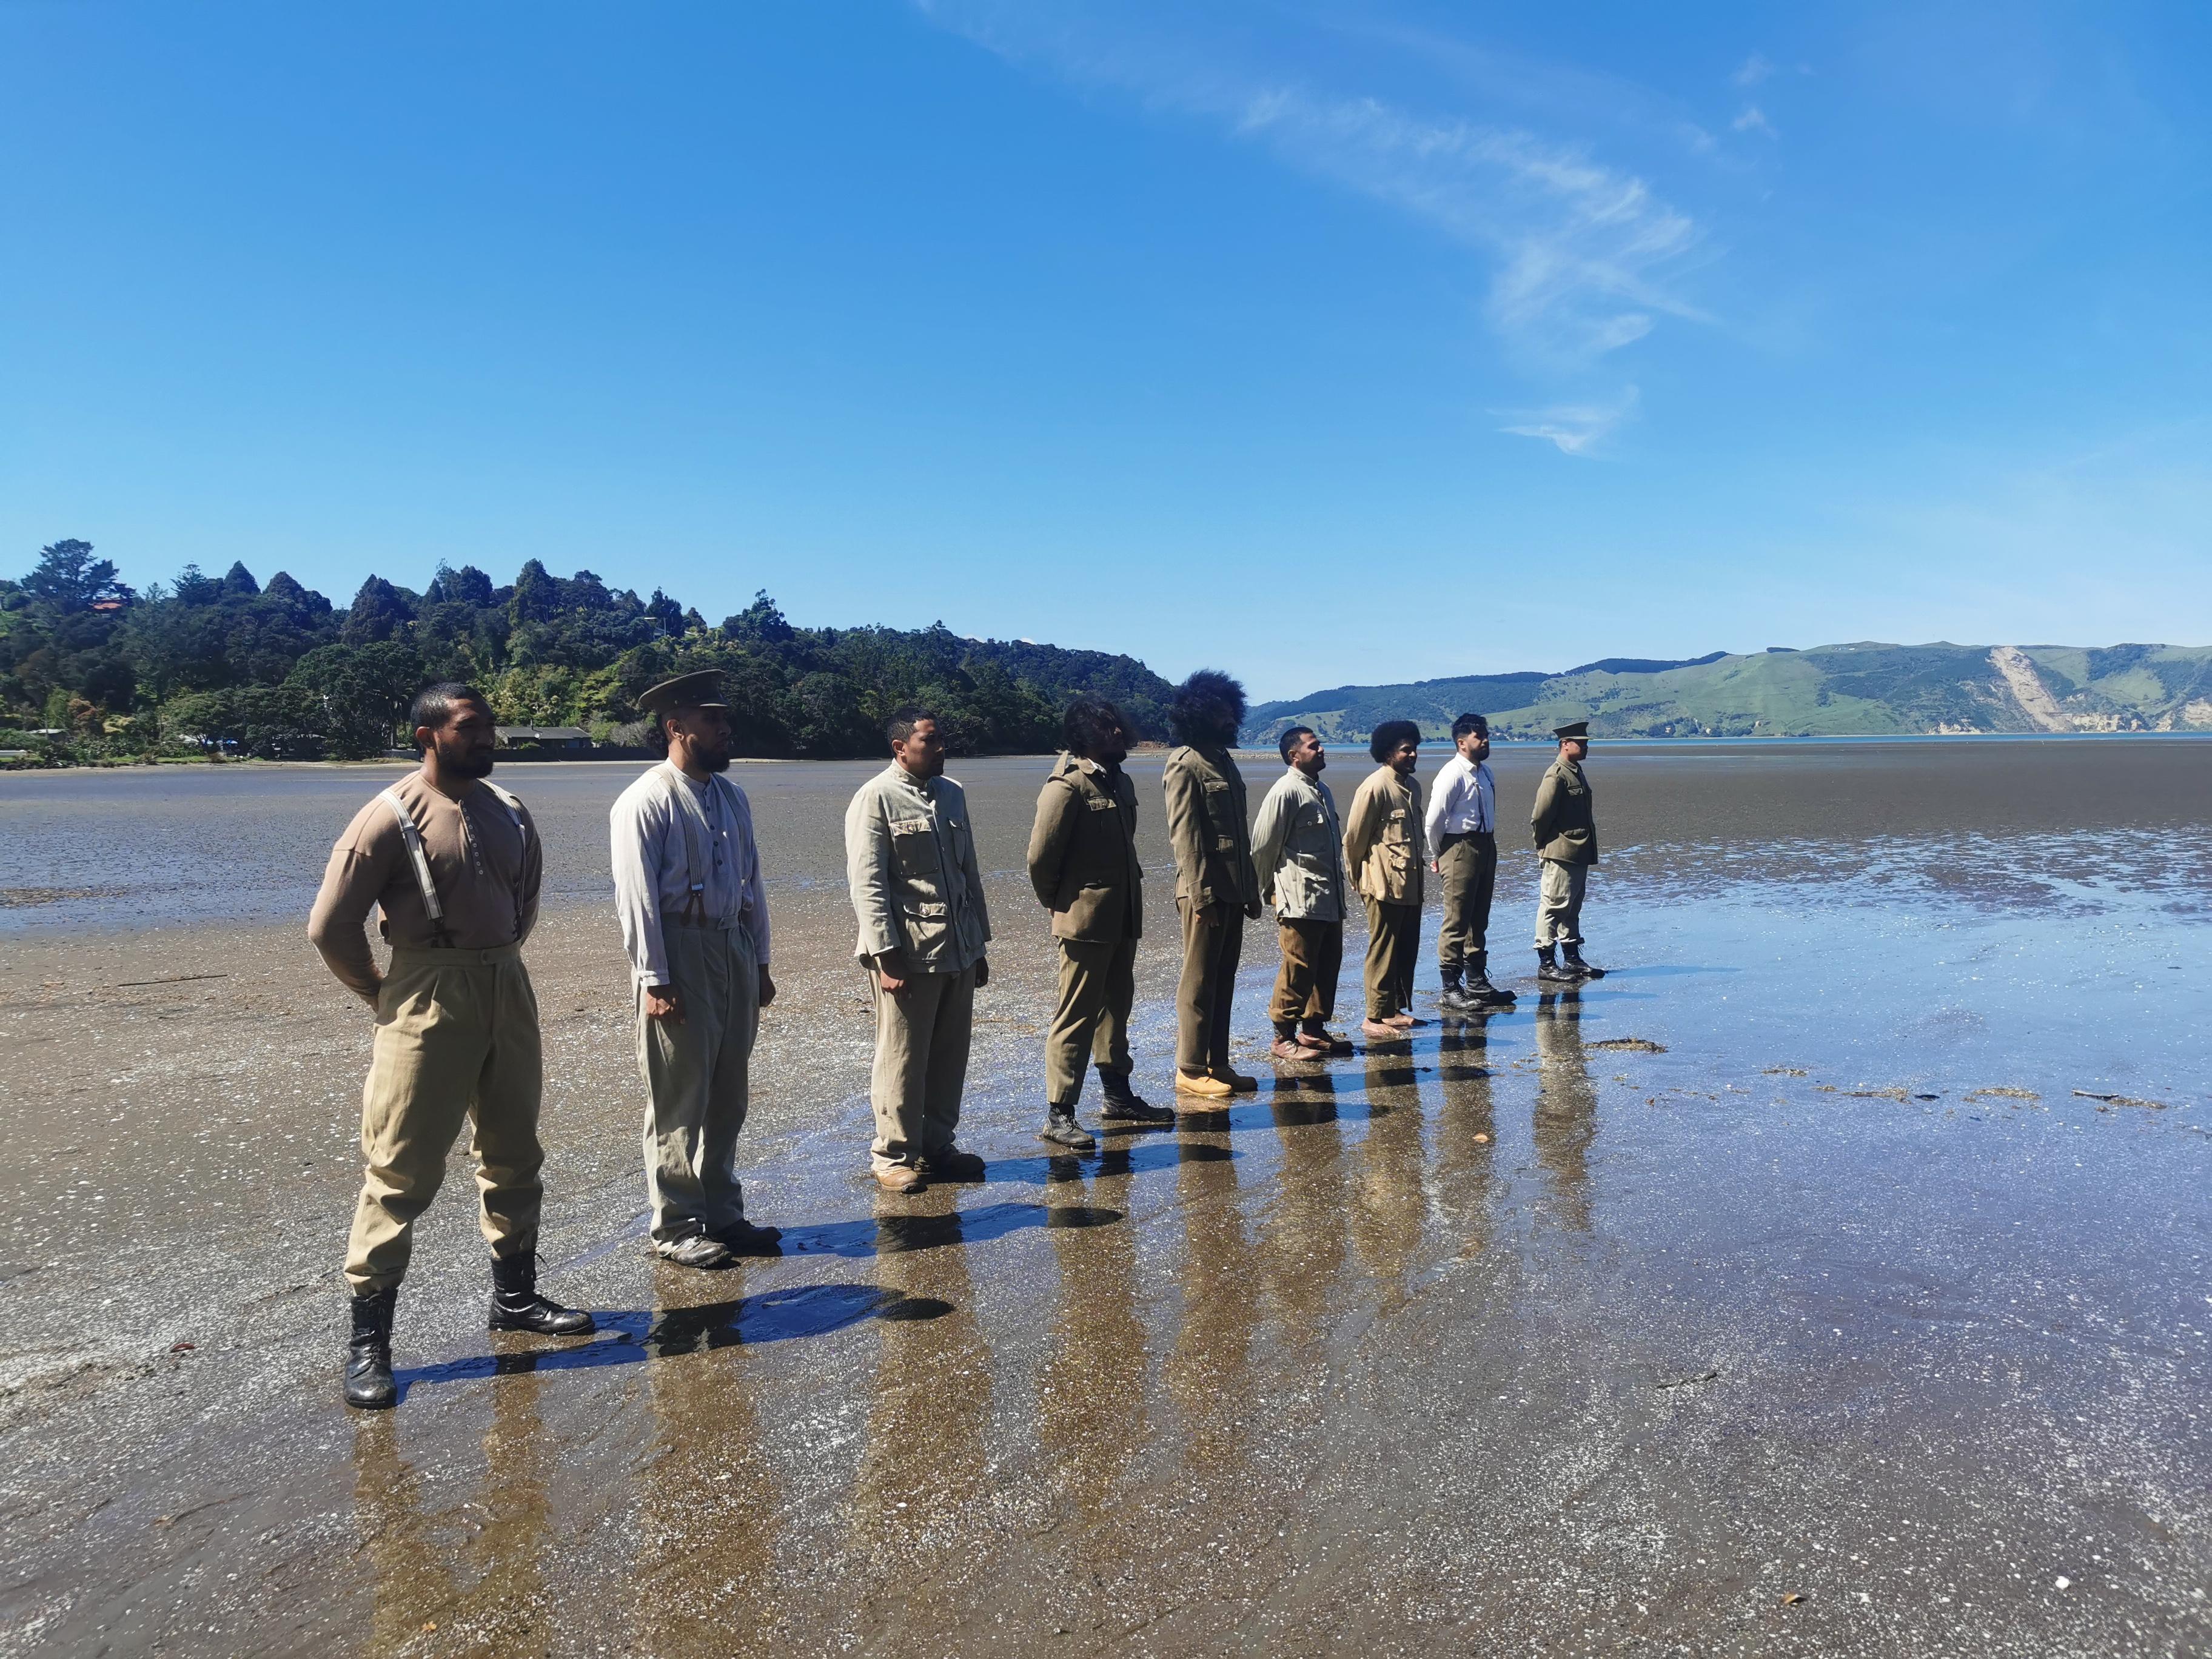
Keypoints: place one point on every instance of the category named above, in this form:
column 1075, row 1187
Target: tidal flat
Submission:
column 1834, row 1276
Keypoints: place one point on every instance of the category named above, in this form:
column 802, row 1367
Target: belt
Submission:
column 435, row 955
column 675, row 919
column 1451, row 836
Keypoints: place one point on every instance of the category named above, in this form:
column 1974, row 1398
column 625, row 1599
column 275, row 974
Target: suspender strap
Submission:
column 693, row 818
column 413, row 837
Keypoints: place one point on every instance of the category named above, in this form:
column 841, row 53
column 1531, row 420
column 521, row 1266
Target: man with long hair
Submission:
column 1385, row 851
column 1083, row 869
column 453, row 864
column 1217, row 889
column 694, row 914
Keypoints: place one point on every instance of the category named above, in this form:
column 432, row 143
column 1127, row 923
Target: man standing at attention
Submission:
column 1298, row 850
column 1083, row 865
column 910, row 864
column 1462, row 832
column 694, row 915
column 1566, row 841
column 1384, row 850
column 453, row 863
column 1215, row 888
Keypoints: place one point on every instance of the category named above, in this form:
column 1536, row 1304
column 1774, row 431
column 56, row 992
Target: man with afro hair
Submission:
column 1385, row 851
column 1217, row 889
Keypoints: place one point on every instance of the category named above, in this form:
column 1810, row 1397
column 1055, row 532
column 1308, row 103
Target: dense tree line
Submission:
column 90, row 669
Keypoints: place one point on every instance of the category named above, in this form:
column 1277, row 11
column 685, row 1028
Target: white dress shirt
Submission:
column 1462, row 800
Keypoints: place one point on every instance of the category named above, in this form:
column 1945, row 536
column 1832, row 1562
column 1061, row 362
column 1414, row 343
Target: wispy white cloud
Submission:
column 1574, row 428
column 1755, row 69
column 1581, row 254
column 1753, row 119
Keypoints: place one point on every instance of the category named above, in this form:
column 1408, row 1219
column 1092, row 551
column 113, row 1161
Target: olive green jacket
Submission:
column 1565, row 828
column 1385, row 847
column 1082, row 854
column 1209, row 829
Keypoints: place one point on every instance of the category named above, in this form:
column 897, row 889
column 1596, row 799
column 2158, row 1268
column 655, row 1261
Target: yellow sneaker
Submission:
column 1210, row 1088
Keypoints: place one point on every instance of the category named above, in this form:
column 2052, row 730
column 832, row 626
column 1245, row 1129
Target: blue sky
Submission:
column 1320, row 342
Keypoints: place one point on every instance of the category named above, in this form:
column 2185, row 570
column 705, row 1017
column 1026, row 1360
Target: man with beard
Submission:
column 453, row 863
column 1462, row 832
column 1216, row 887
column 1298, row 850
column 918, row 894
column 694, row 915
column 1083, row 866
column 1384, row 850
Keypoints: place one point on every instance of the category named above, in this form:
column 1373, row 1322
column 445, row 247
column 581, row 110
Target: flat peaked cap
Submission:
column 701, row 690
column 1572, row 729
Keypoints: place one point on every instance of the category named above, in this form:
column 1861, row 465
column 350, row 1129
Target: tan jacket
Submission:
column 1298, row 848
column 1562, row 822
column 910, row 864
column 486, row 867
column 1209, row 827
column 1384, row 846
column 1082, row 854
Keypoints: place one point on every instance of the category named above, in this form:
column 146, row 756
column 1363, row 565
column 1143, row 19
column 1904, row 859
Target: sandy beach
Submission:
column 1832, row 1277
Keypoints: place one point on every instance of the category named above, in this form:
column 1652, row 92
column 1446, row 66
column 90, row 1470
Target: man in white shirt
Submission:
column 694, row 915
column 1462, row 828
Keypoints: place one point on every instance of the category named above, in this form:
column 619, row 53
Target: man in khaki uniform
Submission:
column 1298, row 851
column 910, row 866
column 1083, row 869
column 453, row 863
column 1215, row 888
column 694, row 914
column 1566, row 828
column 1386, row 852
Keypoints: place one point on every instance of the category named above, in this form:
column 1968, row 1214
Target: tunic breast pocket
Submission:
column 914, row 846
column 1393, row 828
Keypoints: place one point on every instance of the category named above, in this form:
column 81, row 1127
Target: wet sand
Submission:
column 1848, row 1243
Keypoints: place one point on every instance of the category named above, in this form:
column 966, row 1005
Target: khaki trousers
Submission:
column 922, row 1065
column 1468, row 865
column 696, row 1080
column 1206, row 992
column 1559, row 906
column 1394, row 940
column 1097, row 989
column 1305, row 985
column 456, row 1042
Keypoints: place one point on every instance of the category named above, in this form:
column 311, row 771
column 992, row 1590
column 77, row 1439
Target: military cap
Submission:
column 1572, row 729
column 701, row 690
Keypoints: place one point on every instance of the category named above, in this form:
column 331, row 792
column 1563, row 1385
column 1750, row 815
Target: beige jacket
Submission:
column 1385, row 847
column 1298, row 849
column 910, row 863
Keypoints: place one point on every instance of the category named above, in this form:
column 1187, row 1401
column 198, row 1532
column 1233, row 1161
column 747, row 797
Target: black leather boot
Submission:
column 368, row 1382
column 1480, row 991
column 1125, row 1105
column 1577, row 966
column 1452, row 999
column 516, row 1305
column 1548, row 971
column 1062, row 1130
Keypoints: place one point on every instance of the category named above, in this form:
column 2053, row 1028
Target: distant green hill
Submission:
column 1833, row 690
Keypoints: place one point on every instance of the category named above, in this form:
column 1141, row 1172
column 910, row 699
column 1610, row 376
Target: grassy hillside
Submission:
column 1866, row 689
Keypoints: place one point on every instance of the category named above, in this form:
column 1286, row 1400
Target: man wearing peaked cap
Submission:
column 1566, row 828
column 694, row 912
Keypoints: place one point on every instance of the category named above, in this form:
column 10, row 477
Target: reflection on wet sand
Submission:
column 1466, row 1184
column 1564, row 1123
column 924, row 1471
column 1208, row 1369
column 1090, row 1389
column 1302, row 1229
column 417, row 1553
column 1388, row 1210
column 710, row 1504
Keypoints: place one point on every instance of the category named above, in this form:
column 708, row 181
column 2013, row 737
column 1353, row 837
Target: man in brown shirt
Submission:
column 453, row 863
column 1384, row 850
column 1217, row 889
